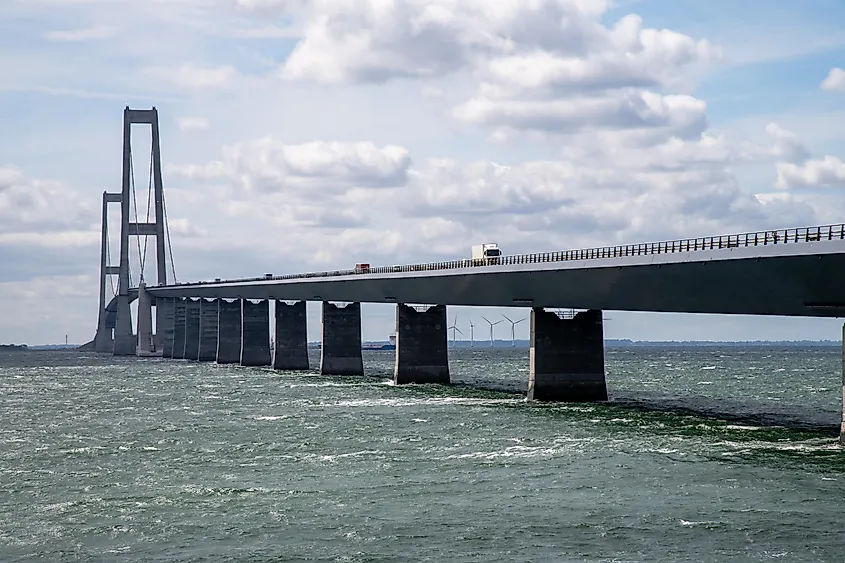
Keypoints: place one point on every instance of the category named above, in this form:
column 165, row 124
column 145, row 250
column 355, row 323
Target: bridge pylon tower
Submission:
column 104, row 340
column 154, row 225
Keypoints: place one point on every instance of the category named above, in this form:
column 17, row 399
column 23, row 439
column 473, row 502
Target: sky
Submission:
column 306, row 135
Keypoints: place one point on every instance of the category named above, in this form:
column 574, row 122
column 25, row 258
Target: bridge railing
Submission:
column 760, row 238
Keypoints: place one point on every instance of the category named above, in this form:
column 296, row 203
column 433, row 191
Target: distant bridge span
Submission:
column 795, row 272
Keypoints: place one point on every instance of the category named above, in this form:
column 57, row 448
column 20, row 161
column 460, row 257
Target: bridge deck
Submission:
column 786, row 272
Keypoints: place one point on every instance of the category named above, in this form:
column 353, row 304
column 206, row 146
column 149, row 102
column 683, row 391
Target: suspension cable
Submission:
column 135, row 207
column 149, row 201
column 167, row 231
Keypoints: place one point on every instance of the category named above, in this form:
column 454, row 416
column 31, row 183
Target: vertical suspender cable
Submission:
column 149, row 202
column 135, row 206
column 169, row 245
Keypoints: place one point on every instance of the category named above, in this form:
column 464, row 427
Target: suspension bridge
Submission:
column 791, row 272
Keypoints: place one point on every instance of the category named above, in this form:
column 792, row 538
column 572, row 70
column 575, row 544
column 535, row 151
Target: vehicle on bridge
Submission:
column 486, row 253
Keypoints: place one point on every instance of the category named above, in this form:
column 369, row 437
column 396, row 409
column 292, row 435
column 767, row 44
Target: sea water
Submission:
column 703, row 454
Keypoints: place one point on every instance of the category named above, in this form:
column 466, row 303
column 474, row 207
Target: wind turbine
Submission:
column 471, row 333
column 492, row 324
column 513, row 329
column 454, row 328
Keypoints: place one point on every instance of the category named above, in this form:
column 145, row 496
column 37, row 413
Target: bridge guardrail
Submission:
column 760, row 238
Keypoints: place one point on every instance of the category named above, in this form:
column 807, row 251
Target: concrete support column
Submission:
column 179, row 313
column 341, row 350
column 255, row 338
column 145, row 345
column 164, row 324
column 421, row 353
column 290, row 352
column 208, row 330
column 192, row 329
column 103, row 341
column 229, row 332
column 567, row 357
column 124, row 340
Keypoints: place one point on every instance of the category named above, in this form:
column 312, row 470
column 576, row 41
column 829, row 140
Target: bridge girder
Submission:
column 792, row 280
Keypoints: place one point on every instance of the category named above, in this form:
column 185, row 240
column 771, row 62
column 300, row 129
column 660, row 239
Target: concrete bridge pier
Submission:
column 421, row 352
column 192, row 329
column 229, row 332
column 208, row 330
column 255, row 336
column 125, row 343
column 341, row 350
column 290, row 352
column 179, row 315
column 103, row 341
column 164, row 324
column 567, row 357
column 145, row 346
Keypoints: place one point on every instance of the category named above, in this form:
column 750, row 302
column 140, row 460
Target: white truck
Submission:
column 487, row 253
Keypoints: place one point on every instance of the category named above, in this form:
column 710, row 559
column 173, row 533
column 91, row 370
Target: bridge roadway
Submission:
column 797, row 273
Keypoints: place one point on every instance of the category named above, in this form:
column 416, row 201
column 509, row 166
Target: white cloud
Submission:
column 83, row 34
column 310, row 170
column 625, row 56
column 549, row 66
column 193, row 123
column 827, row 172
column 608, row 191
column 682, row 116
column 184, row 227
column 40, row 208
column 795, row 167
column 835, row 81
column 787, row 146
column 374, row 41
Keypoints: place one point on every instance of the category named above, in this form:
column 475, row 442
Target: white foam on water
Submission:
column 742, row 427
column 706, row 523
column 411, row 402
column 806, row 446
column 328, row 384
column 335, row 457
column 706, row 368
column 82, row 450
column 509, row 452
column 572, row 408
column 282, row 417
column 558, row 446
